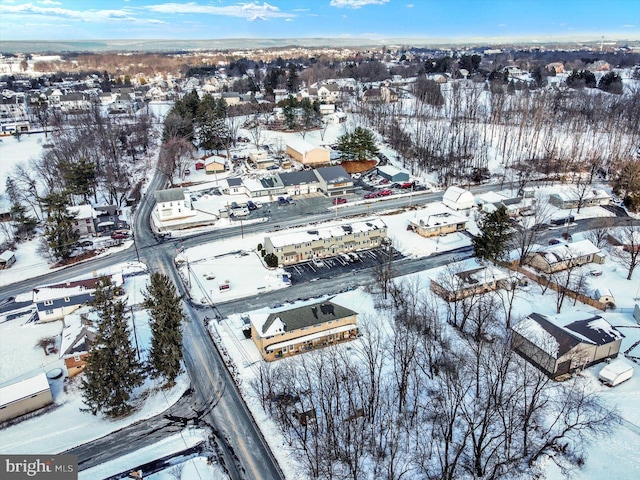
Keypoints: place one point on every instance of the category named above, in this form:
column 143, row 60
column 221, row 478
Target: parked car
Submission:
column 419, row 188
column 282, row 201
column 339, row 201
column 371, row 195
column 407, row 185
column 187, row 172
column 386, row 192
column 554, row 241
column 118, row 236
column 384, row 181
column 251, row 205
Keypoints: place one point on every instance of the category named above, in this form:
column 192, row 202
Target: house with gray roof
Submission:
column 334, row 181
column 290, row 331
column 172, row 204
column 300, row 183
column 565, row 343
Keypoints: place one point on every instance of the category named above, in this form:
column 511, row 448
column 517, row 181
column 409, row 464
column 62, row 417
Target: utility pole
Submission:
column 135, row 335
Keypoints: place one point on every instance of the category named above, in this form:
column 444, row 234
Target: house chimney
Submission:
column 314, row 310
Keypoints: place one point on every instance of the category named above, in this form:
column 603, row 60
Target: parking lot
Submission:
column 340, row 264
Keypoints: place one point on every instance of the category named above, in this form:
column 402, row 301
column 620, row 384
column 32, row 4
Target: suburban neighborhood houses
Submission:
column 336, row 253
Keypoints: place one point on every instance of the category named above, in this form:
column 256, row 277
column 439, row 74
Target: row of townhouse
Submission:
column 299, row 246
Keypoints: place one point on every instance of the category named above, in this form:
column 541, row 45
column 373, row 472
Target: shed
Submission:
column 393, row 174
column 7, row 258
column 214, row 164
column 604, row 295
column 458, row 198
column 24, row 397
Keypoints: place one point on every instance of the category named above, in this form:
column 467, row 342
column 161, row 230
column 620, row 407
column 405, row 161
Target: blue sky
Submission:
column 488, row 20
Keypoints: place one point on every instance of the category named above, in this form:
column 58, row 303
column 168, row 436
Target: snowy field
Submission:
column 624, row 398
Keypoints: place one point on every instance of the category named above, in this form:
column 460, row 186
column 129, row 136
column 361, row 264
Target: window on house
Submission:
column 67, row 299
column 49, row 312
column 76, row 358
column 48, row 302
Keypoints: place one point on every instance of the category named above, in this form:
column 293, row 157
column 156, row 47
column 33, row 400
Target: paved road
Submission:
column 215, row 400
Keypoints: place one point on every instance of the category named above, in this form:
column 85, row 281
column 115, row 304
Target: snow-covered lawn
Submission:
column 66, row 426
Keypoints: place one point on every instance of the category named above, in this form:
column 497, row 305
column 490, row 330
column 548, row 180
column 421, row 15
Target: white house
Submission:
column 53, row 302
column 458, row 198
column 83, row 222
column 173, row 203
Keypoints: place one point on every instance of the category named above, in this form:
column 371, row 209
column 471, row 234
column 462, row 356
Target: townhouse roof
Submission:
column 326, row 233
column 303, row 316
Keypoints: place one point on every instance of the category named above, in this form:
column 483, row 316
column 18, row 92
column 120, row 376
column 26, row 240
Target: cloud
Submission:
column 628, row 25
column 356, row 3
column 28, row 10
column 410, row 5
column 250, row 11
column 49, row 2
column 502, row 24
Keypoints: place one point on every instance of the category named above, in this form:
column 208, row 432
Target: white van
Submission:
column 241, row 211
column 616, row 372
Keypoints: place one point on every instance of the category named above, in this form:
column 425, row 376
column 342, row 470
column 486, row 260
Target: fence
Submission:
column 546, row 282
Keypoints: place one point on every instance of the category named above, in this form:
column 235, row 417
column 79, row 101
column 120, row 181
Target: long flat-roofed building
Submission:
column 320, row 242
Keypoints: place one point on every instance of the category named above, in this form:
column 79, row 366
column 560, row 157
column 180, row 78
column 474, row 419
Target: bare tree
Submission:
column 628, row 253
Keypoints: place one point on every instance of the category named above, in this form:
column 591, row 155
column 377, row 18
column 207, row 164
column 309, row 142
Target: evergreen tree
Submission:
column 24, row 224
column 112, row 370
column 163, row 303
column 495, row 234
column 611, row 82
column 358, row 145
column 80, row 177
column 59, row 229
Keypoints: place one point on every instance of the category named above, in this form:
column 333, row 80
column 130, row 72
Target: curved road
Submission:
column 214, row 399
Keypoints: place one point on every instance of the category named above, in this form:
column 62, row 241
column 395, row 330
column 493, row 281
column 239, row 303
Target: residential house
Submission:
column 292, row 331
column 173, row 204
column 307, row 153
column 231, row 98
column 458, row 198
column 563, row 256
column 108, row 218
column 563, row 344
column 319, row 242
column 234, row 186
column 568, row 199
column 74, row 102
column 84, row 219
column 491, row 201
column 24, row 397
column 334, row 181
column 77, row 336
column 388, row 94
column 54, row 302
column 465, row 280
column 328, row 93
column 7, row 129
column 393, row 174
column 437, row 220
column 373, row 95
column 300, row 183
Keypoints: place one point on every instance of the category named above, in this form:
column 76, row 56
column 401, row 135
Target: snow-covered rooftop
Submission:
column 25, row 388
column 312, row 234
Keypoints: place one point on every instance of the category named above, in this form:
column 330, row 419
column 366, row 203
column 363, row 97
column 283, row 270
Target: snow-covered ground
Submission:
column 21, row 359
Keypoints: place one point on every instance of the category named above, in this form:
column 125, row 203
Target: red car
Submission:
column 385, row 192
column 371, row 195
column 339, row 200
column 407, row 185
column 384, row 181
